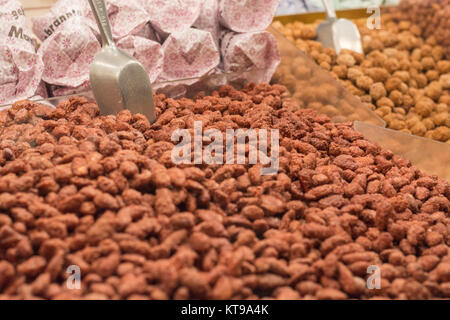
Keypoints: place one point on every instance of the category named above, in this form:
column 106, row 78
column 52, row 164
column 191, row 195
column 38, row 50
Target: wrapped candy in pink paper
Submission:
column 20, row 67
column 68, row 53
column 170, row 16
column 189, row 54
column 148, row 52
column 247, row 15
column 208, row 19
column 130, row 26
column 246, row 51
column 70, row 44
column 127, row 17
column 60, row 13
column 148, row 32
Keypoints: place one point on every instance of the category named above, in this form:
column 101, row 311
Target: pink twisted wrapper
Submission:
column 170, row 16
column 20, row 67
column 247, row 15
column 71, row 40
column 127, row 17
column 71, row 46
column 60, row 13
column 70, row 43
column 189, row 54
column 148, row 52
column 247, row 51
column 208, row 19
column 68, row 53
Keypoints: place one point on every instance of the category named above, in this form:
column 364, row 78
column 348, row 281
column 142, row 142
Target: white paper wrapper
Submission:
column 20, row 67
column 247, row 15
column 70, row 43
column 68, row 53
column 191, row 53
column 208, row 19
column 170, row 16
column 62, row 12
column 148, row 52
column 246, row 51
column 70, row 49
column 127, row 17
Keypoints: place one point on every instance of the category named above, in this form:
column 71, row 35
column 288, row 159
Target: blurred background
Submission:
column 301, row 6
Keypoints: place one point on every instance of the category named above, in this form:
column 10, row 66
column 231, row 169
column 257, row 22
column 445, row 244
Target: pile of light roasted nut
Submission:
column 403, row 74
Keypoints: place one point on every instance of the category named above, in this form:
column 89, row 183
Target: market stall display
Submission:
column 401, row 76
column 313, row 87
column 240, row 189
column 428, row 155
column 288, row 7
column 173, row 40
column 432, row 16
column 102, row 193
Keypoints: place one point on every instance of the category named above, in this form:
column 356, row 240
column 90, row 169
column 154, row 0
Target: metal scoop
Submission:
column 118, row 81
column 338, row 33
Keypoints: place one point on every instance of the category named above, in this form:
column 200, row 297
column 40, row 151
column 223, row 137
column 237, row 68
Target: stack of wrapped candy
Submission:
column 20, row 67
column 174, row 40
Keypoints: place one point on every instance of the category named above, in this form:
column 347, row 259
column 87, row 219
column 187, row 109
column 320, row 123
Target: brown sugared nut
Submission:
column 429, row 124
column 443, row 66
column 434, row 90
column 440, row 118
column 396, row 97
column 364, row 82
column 444, row 80
column 424, row 107
column 377, row 91
column 354, row 73
column 441, row 134
column 432, row 75
column 427, row 63
column 419, row 129
column 393, row 83
column 139, row 226
column 340, row 71
column 391, row 65
column 385, row 102
column 346, row 60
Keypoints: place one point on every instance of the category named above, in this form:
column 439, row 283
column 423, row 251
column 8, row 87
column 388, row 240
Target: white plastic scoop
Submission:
column 118, row 81
column 338, row 33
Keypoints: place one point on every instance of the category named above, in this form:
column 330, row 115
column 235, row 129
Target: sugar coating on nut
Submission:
column 102, row 193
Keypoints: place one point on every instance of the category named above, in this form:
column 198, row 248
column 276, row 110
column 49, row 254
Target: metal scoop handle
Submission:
column 329, row 9
column 101, row 16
